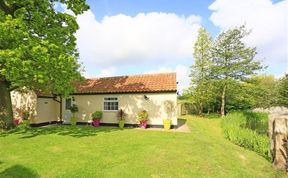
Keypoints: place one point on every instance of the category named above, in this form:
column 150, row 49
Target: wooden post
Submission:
column 278, row 134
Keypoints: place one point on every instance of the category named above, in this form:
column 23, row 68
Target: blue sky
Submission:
column 135, row 37
column 133, row 7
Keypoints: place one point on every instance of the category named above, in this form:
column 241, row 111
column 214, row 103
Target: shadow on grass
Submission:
column 74, row 131
column 18, row 171
column 181, row 122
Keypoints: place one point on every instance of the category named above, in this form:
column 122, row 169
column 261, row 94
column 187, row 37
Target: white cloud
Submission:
column 182, row 73
column 107, row 72
column 142, row 39
column 268, row 21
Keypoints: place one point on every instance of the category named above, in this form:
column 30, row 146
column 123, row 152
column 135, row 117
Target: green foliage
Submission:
column 220, row 67
column 248, row 130
column 74, row 108
column 232, row 60
column 38, row 47
column 97, row 115
column 24, row 124
column 142, row 116
column 262, row 91
column 73, row 121
column 283, row 91
column 257, row 121
column 201, row 89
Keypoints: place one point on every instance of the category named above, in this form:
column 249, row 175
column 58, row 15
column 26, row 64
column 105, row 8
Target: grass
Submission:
column 83, row 151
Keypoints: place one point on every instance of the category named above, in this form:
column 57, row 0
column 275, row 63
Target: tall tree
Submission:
column 200, row 70
column 232, row 59
column 37, row 48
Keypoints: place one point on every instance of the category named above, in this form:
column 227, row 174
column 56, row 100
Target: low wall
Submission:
column 273, row 110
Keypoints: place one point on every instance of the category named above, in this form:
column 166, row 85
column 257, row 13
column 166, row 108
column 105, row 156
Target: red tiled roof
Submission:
column 163, row 82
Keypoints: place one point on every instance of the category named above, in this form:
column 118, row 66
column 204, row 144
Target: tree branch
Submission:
column 9, row 10
column 4, row 7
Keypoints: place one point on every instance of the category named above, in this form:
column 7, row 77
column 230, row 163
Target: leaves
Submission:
column 38, row 46
column 221, row 64
column 282, row 88
column 231, row 58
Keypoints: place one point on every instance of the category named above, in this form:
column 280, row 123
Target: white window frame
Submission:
column 72, row 102
column 117, row 100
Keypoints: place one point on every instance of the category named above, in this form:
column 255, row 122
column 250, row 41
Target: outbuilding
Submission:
column 131, row 93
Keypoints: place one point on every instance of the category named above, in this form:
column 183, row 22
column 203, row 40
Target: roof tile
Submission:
column 126, row 84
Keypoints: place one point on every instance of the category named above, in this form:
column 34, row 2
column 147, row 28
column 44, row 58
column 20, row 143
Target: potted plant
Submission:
column 121, row 117
column 74, row 109
column 142, row 118
column 169, row 108
column 16, row 121
column 96, row 116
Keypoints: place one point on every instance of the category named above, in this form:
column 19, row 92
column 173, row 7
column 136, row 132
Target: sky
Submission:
column 139, row 37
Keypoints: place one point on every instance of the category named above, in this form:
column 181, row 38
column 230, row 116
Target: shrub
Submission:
column 142, row 116
column 246, row 130
column 97, row 115
column 74, row 108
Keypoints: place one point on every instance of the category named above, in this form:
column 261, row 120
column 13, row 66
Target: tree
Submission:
column 283, row 91
column 261, row 89
column 232, row 59
column 37, row 48
column 200, row 72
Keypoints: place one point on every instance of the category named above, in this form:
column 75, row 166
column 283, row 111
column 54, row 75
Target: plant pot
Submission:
column 143, row 124
column 121, row 124
column 167, row 124
column 96, row 122
column 16, row 121
column 73, row 121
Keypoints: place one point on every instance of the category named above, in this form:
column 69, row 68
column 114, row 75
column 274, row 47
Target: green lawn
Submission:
column 64, row 151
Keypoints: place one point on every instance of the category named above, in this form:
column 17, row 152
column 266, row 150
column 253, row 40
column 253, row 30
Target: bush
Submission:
column 97, row 115
column 247, row 129
column 142, row 116
column 74, row 108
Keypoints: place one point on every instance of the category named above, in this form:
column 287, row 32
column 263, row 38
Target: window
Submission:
column 68, row 103
column 111, row 104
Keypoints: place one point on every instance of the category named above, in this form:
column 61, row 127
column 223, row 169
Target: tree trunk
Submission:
column 223, row 100
column 200, row 109
column 6, row 112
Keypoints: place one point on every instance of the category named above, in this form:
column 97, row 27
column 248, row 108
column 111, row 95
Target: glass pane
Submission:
column 111, row 105
column 68, row 103
column 105, row 106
